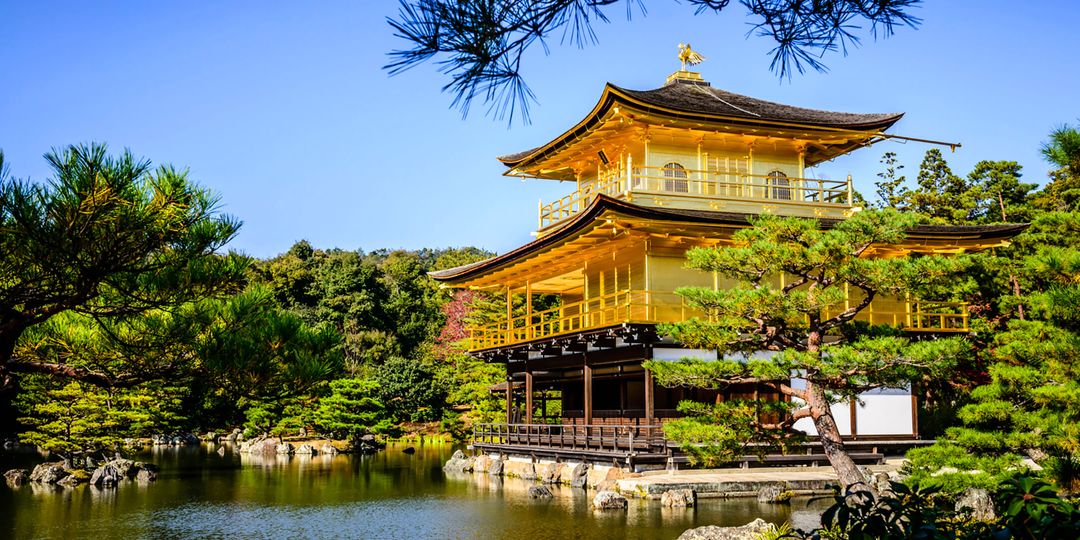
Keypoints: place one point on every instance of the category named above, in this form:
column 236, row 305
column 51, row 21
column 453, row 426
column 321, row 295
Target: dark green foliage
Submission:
column 352, row 410
column 805, row 324
column 410, row 390
column 70, row 418
column 891, row 191
column 481, row 45
column 106, row 236
column 1026, row 508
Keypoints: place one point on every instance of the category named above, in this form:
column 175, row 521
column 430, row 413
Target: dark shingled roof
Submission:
column 699, row 99
column 603, row 202
column 704, row 99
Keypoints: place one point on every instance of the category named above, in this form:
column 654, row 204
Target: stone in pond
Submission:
column 609, row 500
column 540, row 492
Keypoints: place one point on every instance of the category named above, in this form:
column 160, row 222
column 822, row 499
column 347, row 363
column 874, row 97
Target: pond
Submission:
column 392, row 494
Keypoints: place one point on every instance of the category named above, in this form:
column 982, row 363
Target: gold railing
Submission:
column 651, row 307
column 700, row 184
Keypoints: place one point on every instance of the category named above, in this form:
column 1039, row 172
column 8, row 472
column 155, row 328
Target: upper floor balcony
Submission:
column 710, row 189
column 654, row 307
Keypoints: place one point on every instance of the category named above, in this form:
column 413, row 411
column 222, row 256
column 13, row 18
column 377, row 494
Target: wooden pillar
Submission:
column 528, row 309
column 509, row 400
column 650, row 406
column 528, row 397
column 587, row 374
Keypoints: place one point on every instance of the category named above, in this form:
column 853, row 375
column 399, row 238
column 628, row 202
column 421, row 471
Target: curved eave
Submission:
column 613, row 95
column 581, row 222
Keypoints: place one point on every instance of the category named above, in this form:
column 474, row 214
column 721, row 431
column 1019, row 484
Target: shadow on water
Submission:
column 388, row 495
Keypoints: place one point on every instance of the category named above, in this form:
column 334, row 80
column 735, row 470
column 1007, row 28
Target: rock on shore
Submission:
column 746, row 532
column 17, row 477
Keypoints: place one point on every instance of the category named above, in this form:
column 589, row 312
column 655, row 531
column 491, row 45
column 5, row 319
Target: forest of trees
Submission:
column 109, row 336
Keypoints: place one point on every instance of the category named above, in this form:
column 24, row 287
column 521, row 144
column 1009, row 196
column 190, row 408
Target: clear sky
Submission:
column 283, row 108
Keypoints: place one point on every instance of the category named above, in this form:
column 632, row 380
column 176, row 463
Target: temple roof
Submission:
column 603, row 203
column 697, row 101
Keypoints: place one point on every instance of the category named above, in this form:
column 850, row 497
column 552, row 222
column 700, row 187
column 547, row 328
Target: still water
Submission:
column 200, row 494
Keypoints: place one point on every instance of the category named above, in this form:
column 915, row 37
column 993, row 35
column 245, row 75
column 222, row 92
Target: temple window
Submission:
column 779, row 186
column 675, row 178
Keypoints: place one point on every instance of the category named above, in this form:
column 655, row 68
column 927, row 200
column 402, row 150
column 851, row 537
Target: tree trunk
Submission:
column 846, row 471
column 7, row 349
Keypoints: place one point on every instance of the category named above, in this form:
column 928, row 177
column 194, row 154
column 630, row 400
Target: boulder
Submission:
column 221, row 451
column 306, row 449
column 259, row 445
column 409, row 450
column 607, row 485
column 459, row 463
column 211, row 437
column 880, row 483
column 125, row 468
column 552, row 473
column 233, row 436
column 540, row 492
column 17, row 477
column 976, row 504
column 285, row 449
column 145, row 476
column 328, row 449
column 774, row 493
column 750, row 531
column 105, row 476
column 678, row 498
column 579, row 475
column 70, row 480
column 481, row 463
column 495, row 468
column 369, row 444
column 48, row 473
column 516, row 468
column 609, row 500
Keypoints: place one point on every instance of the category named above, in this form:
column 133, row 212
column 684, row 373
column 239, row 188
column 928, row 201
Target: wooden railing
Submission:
column 627, row 306
column 652, row 307
column 614, row 439
column 700, row 184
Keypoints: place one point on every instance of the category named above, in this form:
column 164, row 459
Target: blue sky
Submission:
column 284, row 109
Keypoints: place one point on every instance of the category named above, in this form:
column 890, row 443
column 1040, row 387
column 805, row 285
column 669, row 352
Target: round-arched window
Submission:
column 675, row 178
column 779, row 186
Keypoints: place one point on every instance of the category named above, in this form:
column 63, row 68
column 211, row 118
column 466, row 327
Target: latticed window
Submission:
column 675, row 178
column 779, row 186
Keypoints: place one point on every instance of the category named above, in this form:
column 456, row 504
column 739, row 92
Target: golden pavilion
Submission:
column 655, row 173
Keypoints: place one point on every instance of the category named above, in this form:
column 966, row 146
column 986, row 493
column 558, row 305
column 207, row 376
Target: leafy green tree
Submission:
column 941, row 196
column 1000, row 196
column 410, row 390
column 482, row 45
column 72, row 418
column 1063, row 152
column 803, row 326
column 1030, row 409
column 891, row 189
column 352, row 410
column 268, row 357
column 106, row 236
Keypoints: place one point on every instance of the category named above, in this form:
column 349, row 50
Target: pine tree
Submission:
column 768, row 332
column 941, row 196
column 352, row 410
column 891, row 189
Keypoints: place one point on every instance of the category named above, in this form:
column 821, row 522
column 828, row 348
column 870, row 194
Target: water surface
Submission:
column 391, row 495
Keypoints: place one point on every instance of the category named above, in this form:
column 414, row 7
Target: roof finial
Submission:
column 689, row 56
